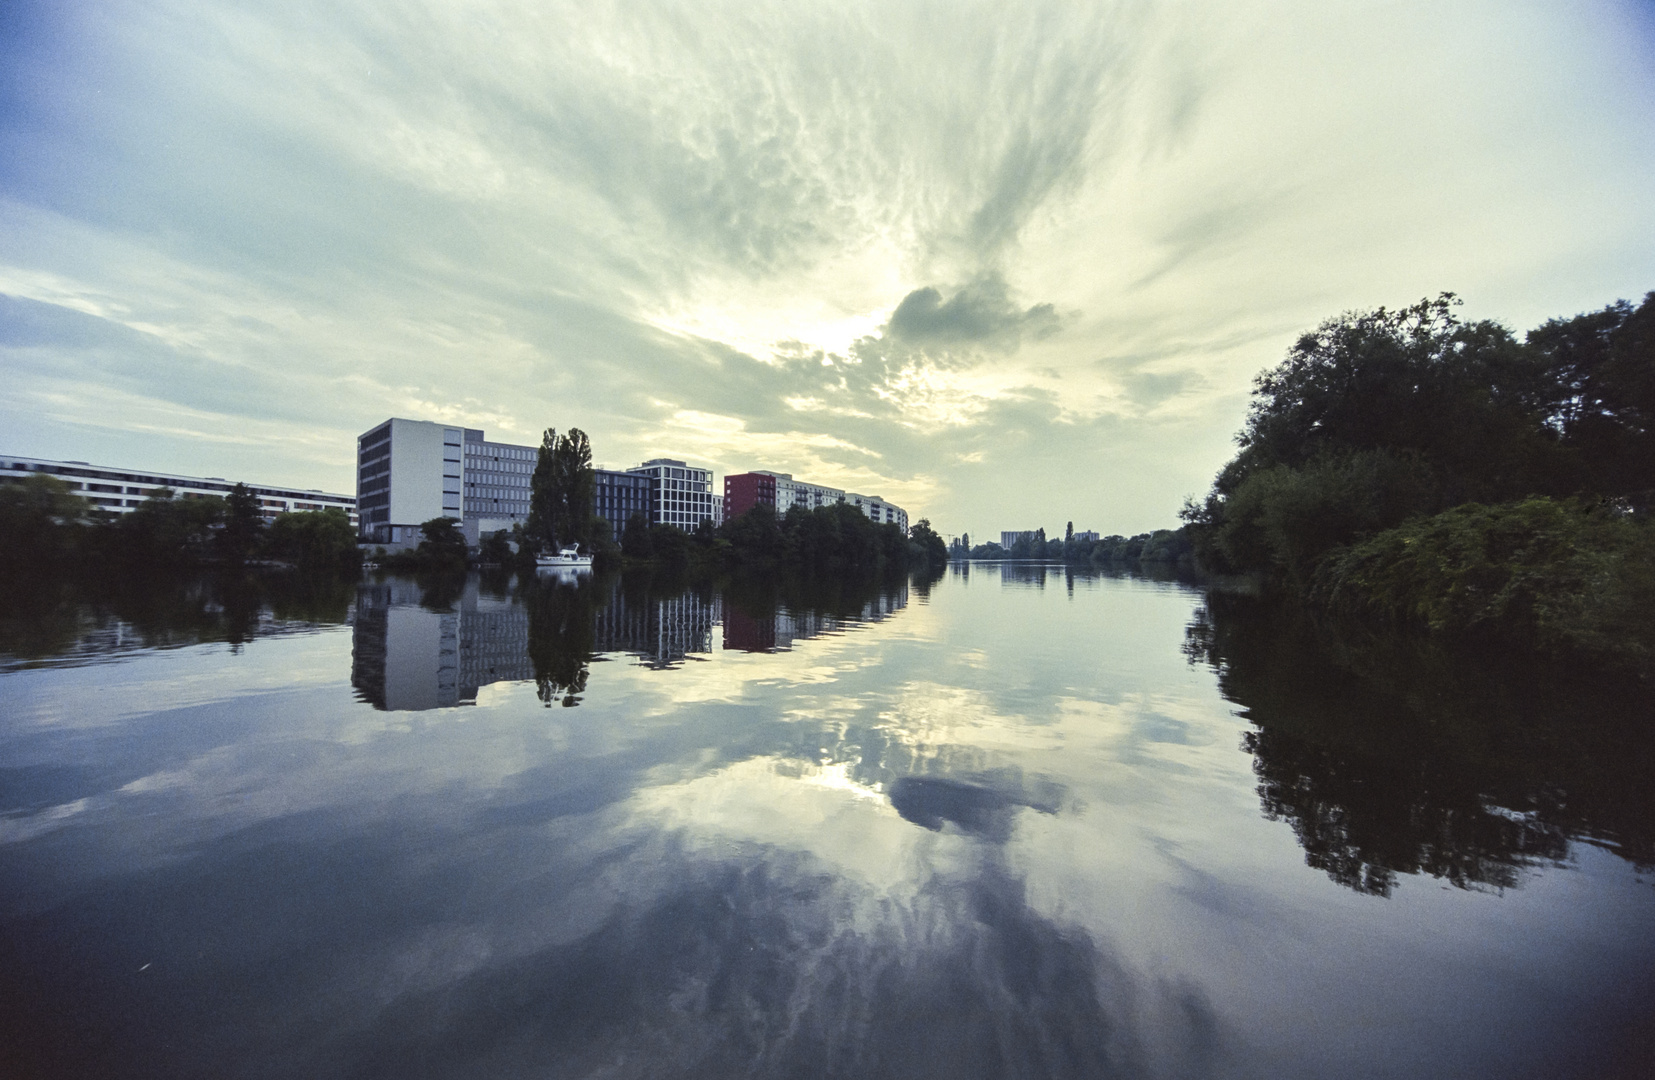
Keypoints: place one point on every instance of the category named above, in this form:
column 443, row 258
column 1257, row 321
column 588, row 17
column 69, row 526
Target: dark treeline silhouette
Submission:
column 1414, row 467
column 71, row 614
column 45, row 527
column 1389, row 754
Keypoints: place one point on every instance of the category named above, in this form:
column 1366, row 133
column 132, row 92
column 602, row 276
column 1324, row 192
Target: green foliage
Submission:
column 1600, row 370
column 1284, row 519
column 1561, row 576
column 925, row 547
column 166, row 532
column 1382, row 418
column 561, row 491
column 495, row 548
column 243, row 525
column 42, row 524
column 442, row 544
column 315, row 540
column 1465, row 399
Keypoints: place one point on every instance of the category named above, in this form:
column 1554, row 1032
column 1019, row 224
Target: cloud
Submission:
column 979, row 314
column 520, row 215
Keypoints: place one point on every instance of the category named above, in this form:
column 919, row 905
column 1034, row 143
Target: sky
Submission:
column 1009, row 266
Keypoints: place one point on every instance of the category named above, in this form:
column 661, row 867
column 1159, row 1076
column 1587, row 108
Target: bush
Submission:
column 1557, row 574
column 315, row 540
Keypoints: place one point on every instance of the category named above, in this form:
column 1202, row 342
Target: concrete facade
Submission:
column 410, row 471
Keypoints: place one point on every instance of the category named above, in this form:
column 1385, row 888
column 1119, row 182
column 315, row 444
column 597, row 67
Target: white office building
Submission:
column 680, row 494
column 410, row 471
column 120, row 489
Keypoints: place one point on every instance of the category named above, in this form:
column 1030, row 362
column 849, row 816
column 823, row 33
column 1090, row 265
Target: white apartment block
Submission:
column 118, row 489
column 808, row 496
column 879, row 510
column 680, row 494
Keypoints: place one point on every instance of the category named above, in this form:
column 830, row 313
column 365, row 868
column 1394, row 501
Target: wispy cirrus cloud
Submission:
column 958, row 242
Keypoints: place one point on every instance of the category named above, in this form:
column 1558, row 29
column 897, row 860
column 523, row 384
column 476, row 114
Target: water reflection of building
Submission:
column 660, row 631
column 777, row 631
column 407, row 657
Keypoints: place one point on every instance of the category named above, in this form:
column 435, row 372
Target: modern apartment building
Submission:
column 120, row 489
column 879, row 510
column 616, row 496
column 743, row 491
column 1007, row 539
column 680, row 494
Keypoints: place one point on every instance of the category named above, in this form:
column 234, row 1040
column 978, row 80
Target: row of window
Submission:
column 169, row 482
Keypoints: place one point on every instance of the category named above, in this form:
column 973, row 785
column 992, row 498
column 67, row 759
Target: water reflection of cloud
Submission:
column 775, row 965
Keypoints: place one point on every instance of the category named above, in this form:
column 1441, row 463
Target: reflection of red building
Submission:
column 748, row 634
column 743, row 491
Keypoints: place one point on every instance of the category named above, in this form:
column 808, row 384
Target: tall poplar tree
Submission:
column 543, row 501
column 561, row 491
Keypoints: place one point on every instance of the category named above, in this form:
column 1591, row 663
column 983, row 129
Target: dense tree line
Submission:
column 1448, row 474
column 1169, row 547
column 829, row 539
column 45, row 526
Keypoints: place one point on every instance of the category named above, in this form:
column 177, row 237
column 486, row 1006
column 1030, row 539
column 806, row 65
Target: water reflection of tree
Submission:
column 1389, row 756
column 842, row 596
column 561, row 640
column 160, row 610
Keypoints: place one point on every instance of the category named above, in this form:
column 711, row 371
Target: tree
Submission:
column 41, row 523
column 1601, row 368
column 1376, row 417
column 321, row 541
column 165, row 531
column 442, row 544
column 928, row 548
column 561, row 491
column 635, row 538
column 242, row 525
column 1465, row 398
column 495, row 548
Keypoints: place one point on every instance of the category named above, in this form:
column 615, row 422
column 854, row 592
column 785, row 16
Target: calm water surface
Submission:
column 1011, row 823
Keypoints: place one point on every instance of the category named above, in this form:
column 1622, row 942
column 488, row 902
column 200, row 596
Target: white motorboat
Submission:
column 567, row 558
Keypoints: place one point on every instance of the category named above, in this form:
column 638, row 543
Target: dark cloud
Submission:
column 980, row 313
column 982, row 810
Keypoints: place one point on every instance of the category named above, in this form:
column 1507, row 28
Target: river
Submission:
column 1016, row 821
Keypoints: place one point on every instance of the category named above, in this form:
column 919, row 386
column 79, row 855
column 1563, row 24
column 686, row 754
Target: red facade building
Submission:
column 743, row 491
